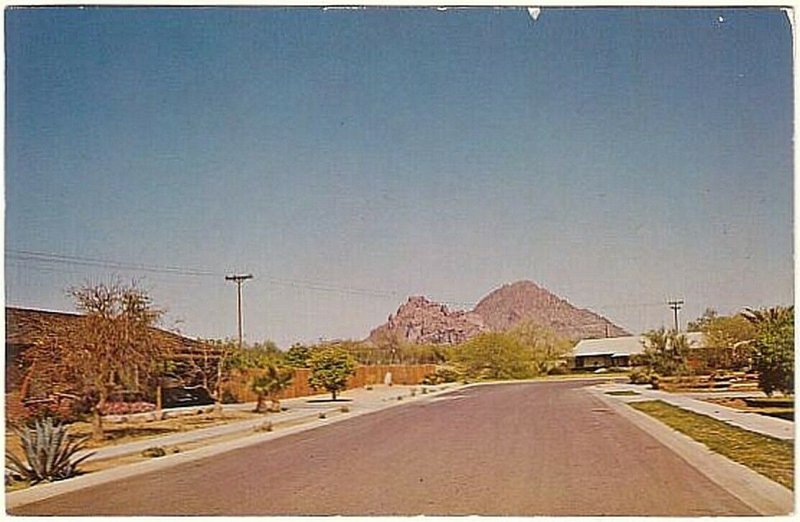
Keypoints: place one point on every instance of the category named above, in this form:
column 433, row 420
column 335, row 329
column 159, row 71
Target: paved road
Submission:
column 514, row 449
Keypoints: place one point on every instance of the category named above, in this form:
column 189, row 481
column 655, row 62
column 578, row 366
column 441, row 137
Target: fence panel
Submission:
column 238, row 386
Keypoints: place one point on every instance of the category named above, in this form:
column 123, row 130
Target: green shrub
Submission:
column 640, row 376
column 442, row 375
column 494, row 356
column 773, row 348
column 49, row 452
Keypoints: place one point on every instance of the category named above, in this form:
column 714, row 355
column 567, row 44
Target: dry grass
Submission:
column 773, row 458
column 128, row 432
column 124, row 432
column 623, row 393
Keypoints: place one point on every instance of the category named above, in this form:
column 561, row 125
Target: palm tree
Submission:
column 270, row 385
column 773, row 315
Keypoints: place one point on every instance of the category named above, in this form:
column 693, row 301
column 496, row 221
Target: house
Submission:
column 616, row 352
column 192, row 360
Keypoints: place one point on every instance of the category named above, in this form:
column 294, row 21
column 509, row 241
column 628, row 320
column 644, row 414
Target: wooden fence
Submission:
column 238, row 386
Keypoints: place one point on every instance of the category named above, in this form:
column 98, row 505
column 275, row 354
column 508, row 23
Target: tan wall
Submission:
column 239, row 383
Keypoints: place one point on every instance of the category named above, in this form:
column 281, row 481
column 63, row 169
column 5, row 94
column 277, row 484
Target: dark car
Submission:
column 179, row 396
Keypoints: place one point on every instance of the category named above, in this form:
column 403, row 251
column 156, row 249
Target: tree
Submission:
column 545, row 347
column 393, row 348
column 330, row 368
column 234, row 358
column 421, row 353
column 773, row 348
column 270, row 385
column 388, row 345
column 112, row 344
column 297, row 356
column 665, row 352
column 493, row 355
column 698, row 324
column 259, row 355
column 727, row 341
column 225, row 350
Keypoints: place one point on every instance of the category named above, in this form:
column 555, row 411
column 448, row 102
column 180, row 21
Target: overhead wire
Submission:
column 91, row 262
column 18, row 256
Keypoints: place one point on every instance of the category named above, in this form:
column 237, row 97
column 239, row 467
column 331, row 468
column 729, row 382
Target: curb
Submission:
column 52, row 489
column 191, row 437
column 757, row 491
column 770, row 426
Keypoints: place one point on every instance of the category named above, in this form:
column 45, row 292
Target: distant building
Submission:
column 616, row 352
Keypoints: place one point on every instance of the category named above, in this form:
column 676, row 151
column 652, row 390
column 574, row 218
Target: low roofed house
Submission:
column 616, row 352
column 28, row 327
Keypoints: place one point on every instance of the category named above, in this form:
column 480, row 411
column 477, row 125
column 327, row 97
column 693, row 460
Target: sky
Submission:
column 348, row 159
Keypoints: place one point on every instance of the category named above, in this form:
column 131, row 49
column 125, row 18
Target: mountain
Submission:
column 505, row 307
column 420, row 320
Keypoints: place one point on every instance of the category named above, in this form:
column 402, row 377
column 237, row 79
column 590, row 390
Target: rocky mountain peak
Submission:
column 510, row 304
column 420, row 320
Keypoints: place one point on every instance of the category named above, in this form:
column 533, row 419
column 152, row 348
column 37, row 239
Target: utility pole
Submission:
column 676, row 305
column 239, row 279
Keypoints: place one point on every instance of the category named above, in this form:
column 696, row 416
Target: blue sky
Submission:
column 348, row 159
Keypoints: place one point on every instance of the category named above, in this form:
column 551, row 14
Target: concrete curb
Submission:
column 189, row 437
column 48, row 490
column 771, row 426
column 197, row 435
column 760, row 493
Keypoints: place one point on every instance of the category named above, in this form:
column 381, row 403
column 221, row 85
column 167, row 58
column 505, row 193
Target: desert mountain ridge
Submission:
column 420, row 320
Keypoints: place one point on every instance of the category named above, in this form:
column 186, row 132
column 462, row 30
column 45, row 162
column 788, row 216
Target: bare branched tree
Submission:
column 112, row 345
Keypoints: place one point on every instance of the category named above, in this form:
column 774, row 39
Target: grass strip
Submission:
column 623, row 393
column 771, row 457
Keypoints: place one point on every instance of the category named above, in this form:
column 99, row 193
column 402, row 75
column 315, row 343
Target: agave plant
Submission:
column 49, row 452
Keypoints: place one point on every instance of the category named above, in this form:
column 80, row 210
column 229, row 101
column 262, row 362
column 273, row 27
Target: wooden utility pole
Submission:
column 239, row 279
column 676, row 305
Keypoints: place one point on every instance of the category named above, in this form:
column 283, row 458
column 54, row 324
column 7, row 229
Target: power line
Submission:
column 625, row 305
column 90, row 262
column 50, row 259
column 27, row 255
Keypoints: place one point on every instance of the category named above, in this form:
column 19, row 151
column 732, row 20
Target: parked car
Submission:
column 180, row 396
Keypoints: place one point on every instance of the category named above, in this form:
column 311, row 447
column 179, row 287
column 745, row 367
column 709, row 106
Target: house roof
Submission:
column 628, row 345
column 622, row 346
column 26, row 326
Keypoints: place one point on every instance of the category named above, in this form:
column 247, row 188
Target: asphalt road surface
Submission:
column 513, row 449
